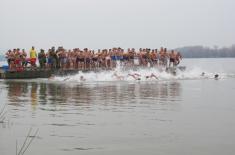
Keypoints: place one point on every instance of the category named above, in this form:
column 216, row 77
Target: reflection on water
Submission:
column 85, row 113
column 91, row 93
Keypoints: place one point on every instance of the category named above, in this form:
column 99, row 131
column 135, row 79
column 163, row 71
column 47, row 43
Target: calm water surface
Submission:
column 166, row 117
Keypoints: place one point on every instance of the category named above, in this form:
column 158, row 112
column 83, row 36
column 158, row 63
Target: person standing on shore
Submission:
column 42, row 59
column 24, row 58
column 33, row 57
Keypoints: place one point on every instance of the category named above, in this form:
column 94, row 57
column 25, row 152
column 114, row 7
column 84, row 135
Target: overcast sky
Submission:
column 107, row 23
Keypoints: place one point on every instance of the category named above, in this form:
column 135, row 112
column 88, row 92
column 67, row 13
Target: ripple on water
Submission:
column 61, row 124
column 77, row 149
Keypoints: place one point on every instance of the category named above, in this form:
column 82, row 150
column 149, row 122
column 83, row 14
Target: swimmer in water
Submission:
column 51, row 77
column 151, row 76
column 119, row 77
column 203, row 74
column 66, row 79
column 216, row 76
column 135, row 76
column 82, row 78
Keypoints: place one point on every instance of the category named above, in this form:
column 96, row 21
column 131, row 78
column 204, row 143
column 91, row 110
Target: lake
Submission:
column 174, row 115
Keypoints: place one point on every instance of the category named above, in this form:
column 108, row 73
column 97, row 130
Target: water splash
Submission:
column 142, row 74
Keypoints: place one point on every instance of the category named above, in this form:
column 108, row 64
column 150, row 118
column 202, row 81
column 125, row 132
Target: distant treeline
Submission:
column 207, row 52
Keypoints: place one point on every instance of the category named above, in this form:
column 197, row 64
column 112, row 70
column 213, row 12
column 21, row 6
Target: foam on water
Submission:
column 123, row 75
column 191, row 73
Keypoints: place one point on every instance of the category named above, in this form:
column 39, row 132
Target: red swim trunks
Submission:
column 33, row 60
column 17, row 61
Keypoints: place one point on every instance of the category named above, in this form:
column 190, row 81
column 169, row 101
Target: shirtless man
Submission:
column 11, row 57
column 178, row 58
column 8, row 56
column 166, row 56
column 87, row 56
column 52, row 77
column 151, row 76
column 216, row 76
column 119, row 77
column 80, row 60
column 161, row 57
column 66, row 79
column 136, row 76
column 62, row 58
column 108, row 59
column 24, row 58
column 154, row 57
column 82, row 78
column 172, row 56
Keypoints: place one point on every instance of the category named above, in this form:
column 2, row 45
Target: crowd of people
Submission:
column 86, row 59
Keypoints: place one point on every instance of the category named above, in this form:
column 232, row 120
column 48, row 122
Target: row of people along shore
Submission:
column 86, row 59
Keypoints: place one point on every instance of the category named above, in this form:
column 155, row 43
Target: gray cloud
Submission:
column 108, row 23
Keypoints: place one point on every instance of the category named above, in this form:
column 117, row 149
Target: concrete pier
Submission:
column 37, row 73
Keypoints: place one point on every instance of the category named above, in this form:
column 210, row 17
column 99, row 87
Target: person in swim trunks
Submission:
column 153, row 57
column 24, row 58
column 178, row 58
column 172, row 56
column 42, row 58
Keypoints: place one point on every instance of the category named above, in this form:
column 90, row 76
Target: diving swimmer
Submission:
column 135, row 76
column 151, row 76
column 82, row 78
column 119, row 77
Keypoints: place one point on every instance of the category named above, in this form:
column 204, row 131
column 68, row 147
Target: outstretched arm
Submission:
column 153, row 75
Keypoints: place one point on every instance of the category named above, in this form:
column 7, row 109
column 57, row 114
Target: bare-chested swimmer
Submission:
column 119, row 77
column 82, row 78
column 66, row 79
column 136, row 76
column 52, row 77
column 151, row 76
